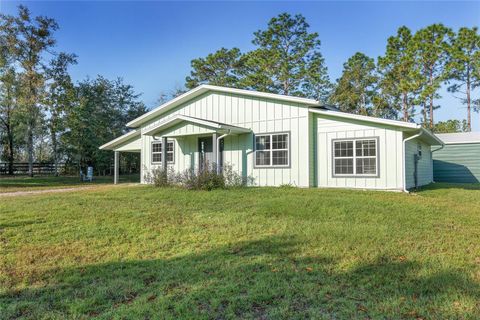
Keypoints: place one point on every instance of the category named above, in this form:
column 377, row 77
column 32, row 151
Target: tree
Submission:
column 103, row 107
column 60, row 97
column 356, row 88
column 287, row 61
column 28, row 40
column 8, row 113
column 451, row 126
column 464, row 66
column 220, row 68
column 431, row 47
column 399, row 77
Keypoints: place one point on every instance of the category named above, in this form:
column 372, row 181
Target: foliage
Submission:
column 129, row 252
column 431, row 46
column 28, row 40
column 451, row 126
column 400, row 79
column 102, row 109
column 355, row 90
column 220, row 68
column 464, row 67
column 205, row 178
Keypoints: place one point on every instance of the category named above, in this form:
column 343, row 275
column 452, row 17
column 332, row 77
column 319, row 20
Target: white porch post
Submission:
column 164, row 154
column 115, row 167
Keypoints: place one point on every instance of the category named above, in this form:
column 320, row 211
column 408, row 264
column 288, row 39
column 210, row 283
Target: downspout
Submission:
column 217, row 156
column 404, row 159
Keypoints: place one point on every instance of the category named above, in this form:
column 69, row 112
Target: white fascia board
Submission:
column 394, row 123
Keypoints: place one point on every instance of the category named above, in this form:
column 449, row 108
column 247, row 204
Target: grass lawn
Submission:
column 25, row 183
column 133, row 251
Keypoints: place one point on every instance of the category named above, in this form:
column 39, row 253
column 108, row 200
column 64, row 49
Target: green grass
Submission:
column 25, row 183
column 130, row 252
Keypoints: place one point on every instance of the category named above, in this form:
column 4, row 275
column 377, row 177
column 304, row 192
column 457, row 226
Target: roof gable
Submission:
column 206, row 88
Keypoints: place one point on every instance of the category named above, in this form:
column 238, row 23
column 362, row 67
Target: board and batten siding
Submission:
column 425, row 164
column 389, row 153
column 458, row 163
column 258, row 114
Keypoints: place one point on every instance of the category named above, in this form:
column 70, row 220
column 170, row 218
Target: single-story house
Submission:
column 277, row 139
column 459, row 160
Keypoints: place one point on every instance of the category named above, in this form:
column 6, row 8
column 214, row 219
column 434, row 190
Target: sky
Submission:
column 150, row 44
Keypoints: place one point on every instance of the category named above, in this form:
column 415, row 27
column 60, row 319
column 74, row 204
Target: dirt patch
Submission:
column 26, row 193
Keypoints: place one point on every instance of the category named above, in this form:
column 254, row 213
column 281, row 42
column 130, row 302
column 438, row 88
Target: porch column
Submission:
column 164, row 154
column 214, row 149
column 115, row 166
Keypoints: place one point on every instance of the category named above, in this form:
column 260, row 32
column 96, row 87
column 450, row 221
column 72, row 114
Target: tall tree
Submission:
column 102, row 109
column 464, row 67
column 400, row 79
column 8, row 113
column 356, row 88
column 431, row 46
column 29, row 39
column 60, row 97
column 220, row 68
column 288, row 59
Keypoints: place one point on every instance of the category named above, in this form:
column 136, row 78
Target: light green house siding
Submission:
column 424, row 165
column 457, row 163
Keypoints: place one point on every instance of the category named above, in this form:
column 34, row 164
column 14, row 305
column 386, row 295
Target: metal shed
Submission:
column 459, row 160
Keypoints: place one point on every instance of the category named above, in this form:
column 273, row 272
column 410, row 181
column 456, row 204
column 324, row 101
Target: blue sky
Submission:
column 151, row 44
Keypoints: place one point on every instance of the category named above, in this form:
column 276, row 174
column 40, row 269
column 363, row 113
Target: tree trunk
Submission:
column 30, row 149
column 469, row 115
column 431, row 102
column 54, row 147
column 405, row 108
column 11, row 155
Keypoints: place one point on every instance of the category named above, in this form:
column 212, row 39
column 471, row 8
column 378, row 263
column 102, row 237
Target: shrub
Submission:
column 205, row 178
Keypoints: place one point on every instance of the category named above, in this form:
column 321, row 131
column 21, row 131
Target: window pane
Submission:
column 343, row 149
column 366, row 148
column 262, row 158
column 169, row 156
column 170, row 146
column 367, row 166
column 262, row 142
column 280, row 158
column 280, row 141
column 157, row 147
column 343, row 166
column 156, row 157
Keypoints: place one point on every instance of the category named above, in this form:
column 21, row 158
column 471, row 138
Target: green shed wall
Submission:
column 457, row 163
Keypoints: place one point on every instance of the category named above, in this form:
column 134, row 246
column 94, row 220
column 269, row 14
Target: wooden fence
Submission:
column 39, row 168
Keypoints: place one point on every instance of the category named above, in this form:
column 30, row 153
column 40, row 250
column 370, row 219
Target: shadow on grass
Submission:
column 444, row 185
column 61, row 181
column 254, row 279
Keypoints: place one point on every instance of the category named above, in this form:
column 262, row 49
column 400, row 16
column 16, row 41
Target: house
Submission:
column 459, row 160
column 278, row 139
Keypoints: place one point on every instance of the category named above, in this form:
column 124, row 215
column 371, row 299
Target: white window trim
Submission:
column 355, row 157
column 271, row 165
column 172, row 152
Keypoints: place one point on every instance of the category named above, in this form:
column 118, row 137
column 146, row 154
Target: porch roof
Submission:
column 213, row 125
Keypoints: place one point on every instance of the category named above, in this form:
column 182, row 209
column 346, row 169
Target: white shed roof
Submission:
column 459, row 137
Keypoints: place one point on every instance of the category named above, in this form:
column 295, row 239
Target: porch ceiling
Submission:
column 207, row 124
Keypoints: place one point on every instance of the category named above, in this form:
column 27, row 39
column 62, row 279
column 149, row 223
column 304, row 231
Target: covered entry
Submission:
column 199, row 140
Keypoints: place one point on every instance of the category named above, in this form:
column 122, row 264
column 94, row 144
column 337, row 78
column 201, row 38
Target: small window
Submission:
column 272, row 150
column 362, row 162
column 157, row 152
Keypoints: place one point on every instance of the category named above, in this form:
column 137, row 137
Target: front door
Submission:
column 205, row 148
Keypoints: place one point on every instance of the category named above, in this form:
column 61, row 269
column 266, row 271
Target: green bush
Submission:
column 205, row 178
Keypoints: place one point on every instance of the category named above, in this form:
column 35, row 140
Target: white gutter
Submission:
column 404, row 159
column 217, row 156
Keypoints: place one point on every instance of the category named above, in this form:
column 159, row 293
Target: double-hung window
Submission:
column 357, row 157
column 272, row 150
column 157, row 152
